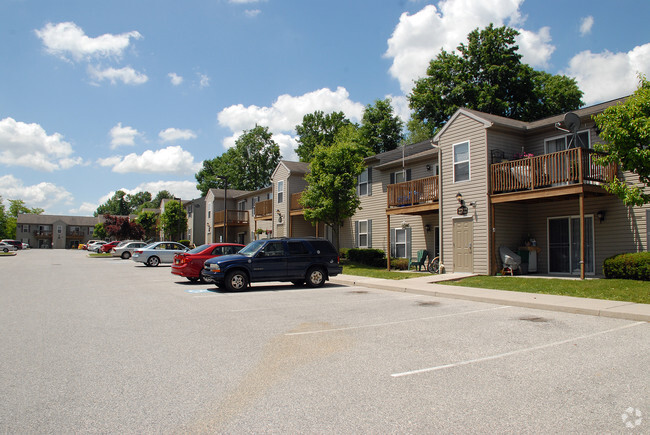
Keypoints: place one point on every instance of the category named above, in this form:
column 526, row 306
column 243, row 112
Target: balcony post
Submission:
column 581, row 175
column 388, row 238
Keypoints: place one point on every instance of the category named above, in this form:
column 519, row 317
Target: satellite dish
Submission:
column 572, row 122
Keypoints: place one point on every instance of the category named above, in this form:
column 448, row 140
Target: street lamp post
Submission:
column 225, row 211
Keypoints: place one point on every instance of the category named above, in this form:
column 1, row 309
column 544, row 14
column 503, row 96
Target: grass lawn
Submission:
column 103, row 255
column 375, row 272
column 610, row 289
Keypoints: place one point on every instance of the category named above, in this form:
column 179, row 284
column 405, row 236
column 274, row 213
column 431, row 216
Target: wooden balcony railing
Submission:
column 424, row 190
column 295, row 201
column 43, row 234
column 235, row 217
column 264, row 208
column 575, row 165
column 75, row 234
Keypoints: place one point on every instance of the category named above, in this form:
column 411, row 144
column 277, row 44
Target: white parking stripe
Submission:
column 375, row 325
column 514, row 352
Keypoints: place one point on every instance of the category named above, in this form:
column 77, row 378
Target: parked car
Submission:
column 126, row 249
column 189, row 264
column 88, row 243
column 97, row 246
column 17, row 243
column 107, row 247
column 6, row 247
column 298, row 260
column 25, row 245
column 158, row 252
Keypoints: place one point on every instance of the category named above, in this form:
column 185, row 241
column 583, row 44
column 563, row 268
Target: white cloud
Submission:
column 175, row 79
column 585, row 25
column 618, row 70
column 28, row 145
column 121, row 136
column 67, row 40
column 85, row 209
column 43, row 195
column 419, row 37
column 285, row 113
column 252, row 13
column 183, row 189
column 126, row 75
column 172, row 160
column 173, row 134
column 204, row 80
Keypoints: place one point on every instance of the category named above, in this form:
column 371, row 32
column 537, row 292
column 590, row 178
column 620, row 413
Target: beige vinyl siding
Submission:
column 464, row 129
column 281, row 229
column 505, row 141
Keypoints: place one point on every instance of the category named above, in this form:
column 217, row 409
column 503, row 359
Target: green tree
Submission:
column 16, row 207
column 99, row 232
column 416, row 131
column 381, row 130
column 488, row 75
column 155, row 203
column 116, row 205
column 247, row 166
column 138, row 201
column 625, row 131
column 331, row 194
column 318, row 129
column 148, row 220
column 173, row 220
column 3, row 222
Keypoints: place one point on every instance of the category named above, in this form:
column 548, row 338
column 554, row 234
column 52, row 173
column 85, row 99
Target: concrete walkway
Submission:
column 427, row 285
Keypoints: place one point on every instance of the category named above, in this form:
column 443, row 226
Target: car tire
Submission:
column 126, row 255
column 153, row 261
column 6, row 249
column 192, row 278
column 315, row 277
column 236, row 281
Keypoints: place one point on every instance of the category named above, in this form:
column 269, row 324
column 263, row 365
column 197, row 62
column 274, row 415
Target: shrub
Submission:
column 370, row 257
column 343, row 252
column 184, row 242
column 628, row 266
column 399, row 263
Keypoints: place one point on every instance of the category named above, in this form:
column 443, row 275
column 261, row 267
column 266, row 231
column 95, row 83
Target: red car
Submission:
column 189, row 264
column 106, row 247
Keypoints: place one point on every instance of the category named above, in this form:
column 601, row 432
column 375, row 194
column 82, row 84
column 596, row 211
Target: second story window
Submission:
column 363, row 187
column 400, row 176
column 241, row 205
column 209, row 211
column 280, row 191
column 461, row 162
column 565, row 142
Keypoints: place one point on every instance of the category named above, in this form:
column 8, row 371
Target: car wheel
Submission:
column 126, row 255
column 315, row 277
column 193, row 278
column 153, row 261
column 6, row 250
column 236, row 281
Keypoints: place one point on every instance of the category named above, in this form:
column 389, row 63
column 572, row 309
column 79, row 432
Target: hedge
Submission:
column 628, row 266
column 369, row 257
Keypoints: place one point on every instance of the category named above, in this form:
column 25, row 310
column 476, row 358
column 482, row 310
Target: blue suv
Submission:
column 298, row 260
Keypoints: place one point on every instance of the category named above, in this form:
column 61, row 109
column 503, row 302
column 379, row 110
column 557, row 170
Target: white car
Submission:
column 96, row 246
column 6, row 247
column 124, row 251
column 158, row 252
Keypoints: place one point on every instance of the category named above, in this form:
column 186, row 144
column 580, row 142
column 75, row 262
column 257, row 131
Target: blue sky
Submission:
column 97, row 96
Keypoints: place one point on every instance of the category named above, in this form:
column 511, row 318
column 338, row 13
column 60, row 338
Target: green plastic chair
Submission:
column 421, row 260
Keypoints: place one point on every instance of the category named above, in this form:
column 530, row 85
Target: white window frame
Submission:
column 25, row 228
column 365, row 233
column 405, row 243
column 566, row 138
column 363, row 183
column 468, row 161
column 241, row 205
column 210, row 211
column 280, row 191
column 401, row 173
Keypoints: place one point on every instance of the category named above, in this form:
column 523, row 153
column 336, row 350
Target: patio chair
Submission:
column 420, row 261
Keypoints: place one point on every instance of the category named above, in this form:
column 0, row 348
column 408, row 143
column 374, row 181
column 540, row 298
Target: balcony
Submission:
column 560, row 173
column 414, row 197
column 43, row 234
column 264, row 209
column 294, row 206
column 234, row 218
column 75, row 235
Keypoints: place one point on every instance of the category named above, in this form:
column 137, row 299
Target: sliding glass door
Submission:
column 564, row 245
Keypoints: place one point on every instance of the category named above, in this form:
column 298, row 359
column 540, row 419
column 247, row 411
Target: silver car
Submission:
column 125, row 250
column 158, row 252
column 6, row 247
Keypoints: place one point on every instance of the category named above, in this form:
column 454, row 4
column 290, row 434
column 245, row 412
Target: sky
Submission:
column 99, row 96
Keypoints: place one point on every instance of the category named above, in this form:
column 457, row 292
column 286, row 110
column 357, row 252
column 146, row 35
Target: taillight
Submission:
column 137, row 252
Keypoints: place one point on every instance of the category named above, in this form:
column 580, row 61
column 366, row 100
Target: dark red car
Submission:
column 106, row 247
column 189, row 264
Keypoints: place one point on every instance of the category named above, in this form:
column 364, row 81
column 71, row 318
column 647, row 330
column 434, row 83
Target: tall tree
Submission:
column 173, row 220
column 318, row 129
column 625, row 131
column 331, row 194
column 138, row 201
column 381, row 129
column 155, row 203
column 16, row 207
column 3, row 222
column 416, row 131
column 247, row 166
column 148, row 220
column 122, row 228
column 99, row 231
column 116, row 205
column 488, row 75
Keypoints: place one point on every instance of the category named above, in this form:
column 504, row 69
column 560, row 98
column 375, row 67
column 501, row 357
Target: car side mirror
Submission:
column 261, row 254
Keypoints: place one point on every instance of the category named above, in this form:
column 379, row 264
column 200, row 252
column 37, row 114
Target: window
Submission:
column 400, row 243
column 364, row 186
column 400, row 176
column 562, row 143
column 25, row 228
column 461, row 162
column 363, row 234
column 241, row 205
column 280, row 191
column 564, row 245
column 297, row 248
column 59, row 229
column 209, row 211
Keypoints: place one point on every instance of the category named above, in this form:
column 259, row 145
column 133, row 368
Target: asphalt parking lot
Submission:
column 107, row 345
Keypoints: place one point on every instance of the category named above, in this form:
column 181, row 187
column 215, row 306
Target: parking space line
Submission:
column 397, row 322
column 514, row 352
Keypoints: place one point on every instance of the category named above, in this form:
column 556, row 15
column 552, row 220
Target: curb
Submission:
column 567, row 304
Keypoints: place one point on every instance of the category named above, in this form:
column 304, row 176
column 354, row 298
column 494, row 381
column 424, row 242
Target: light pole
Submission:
column 225, row 211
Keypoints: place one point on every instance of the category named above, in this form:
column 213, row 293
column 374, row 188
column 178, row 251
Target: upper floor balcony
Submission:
column 415, row 196
column 263, row 209
column 234, row 217
column 43, row 234
column 560, row 173
column 294, row 205
column 75, row 234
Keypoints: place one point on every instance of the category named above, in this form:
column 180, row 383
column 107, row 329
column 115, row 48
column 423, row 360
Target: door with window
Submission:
column 463, row 237
column 564, row 245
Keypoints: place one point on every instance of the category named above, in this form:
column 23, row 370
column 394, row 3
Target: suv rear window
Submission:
column 323, row 247
column 297, row 248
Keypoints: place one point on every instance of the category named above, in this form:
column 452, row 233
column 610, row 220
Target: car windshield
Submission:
column 251, row 249
column 198, row 249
